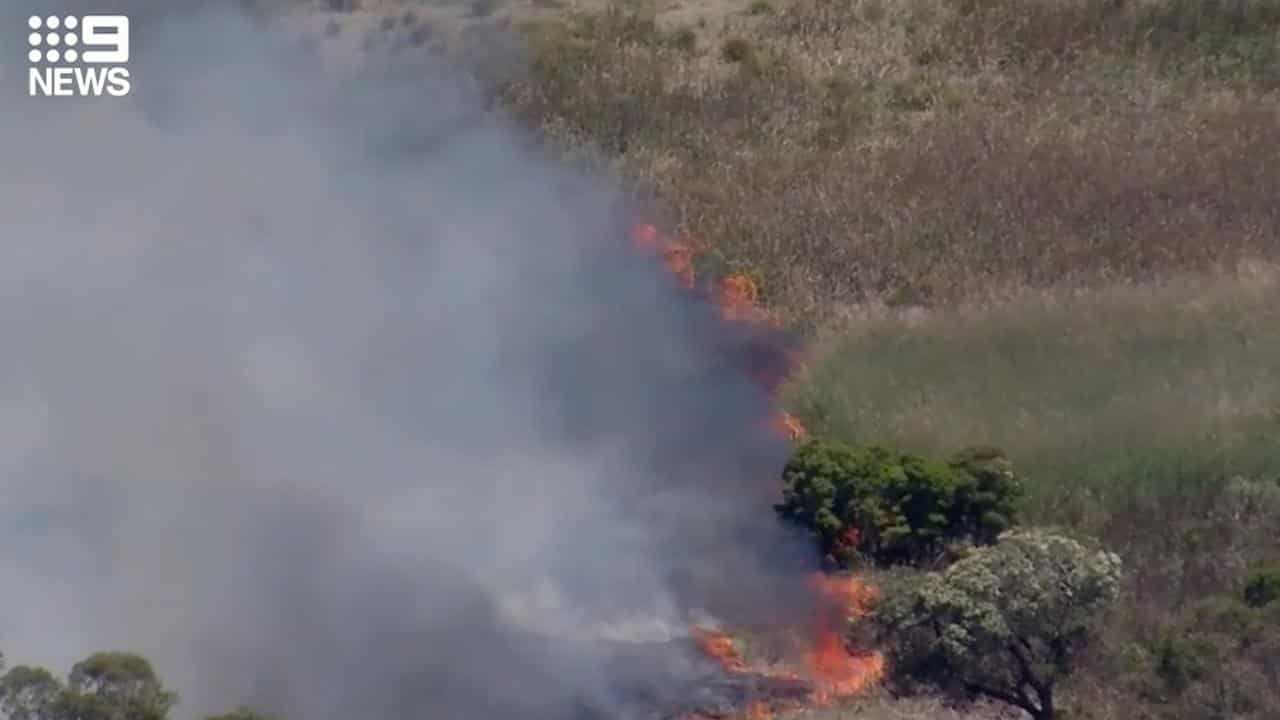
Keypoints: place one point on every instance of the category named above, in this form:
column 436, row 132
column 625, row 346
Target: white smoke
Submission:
column 330, row 393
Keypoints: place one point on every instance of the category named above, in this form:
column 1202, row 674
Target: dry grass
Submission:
column 925, row 151
column 1047, row 225
column 878, row 706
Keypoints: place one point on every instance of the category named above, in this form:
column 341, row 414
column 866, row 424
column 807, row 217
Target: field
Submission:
column 1049, row 226
column 932, row 151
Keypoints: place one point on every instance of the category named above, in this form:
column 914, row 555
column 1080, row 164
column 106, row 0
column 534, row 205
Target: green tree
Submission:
column 29, row 693
column 1007, row 622
column 894, row 507
column 116, row 686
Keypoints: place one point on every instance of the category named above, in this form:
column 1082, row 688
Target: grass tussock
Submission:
column 926, row 151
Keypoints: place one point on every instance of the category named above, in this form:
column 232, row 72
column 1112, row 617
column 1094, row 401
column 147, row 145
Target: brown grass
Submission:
column 926, row 151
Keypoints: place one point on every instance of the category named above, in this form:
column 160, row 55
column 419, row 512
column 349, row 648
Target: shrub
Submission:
column 896, row 508
column 735, row 50
column 1180, row 661
column 1262, row 586
column 1220, row 653
column 1005, row 623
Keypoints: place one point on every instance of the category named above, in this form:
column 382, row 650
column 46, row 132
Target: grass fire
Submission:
column 824, row 668
column 631, row 360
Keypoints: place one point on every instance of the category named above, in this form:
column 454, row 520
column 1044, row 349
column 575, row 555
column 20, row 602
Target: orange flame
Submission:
column 788, row 426
column 736, row 297
column 831, row 668
column 679, row 260
column 837, row 671
column 678, row 257
column 719, row 646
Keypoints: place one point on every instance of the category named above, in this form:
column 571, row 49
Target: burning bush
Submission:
column 897, row 508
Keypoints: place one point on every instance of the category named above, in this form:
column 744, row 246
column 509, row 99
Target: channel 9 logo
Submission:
column 78, row 56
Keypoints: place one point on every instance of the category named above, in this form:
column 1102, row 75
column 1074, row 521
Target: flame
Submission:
column 736, row 297
column 845, row 593
column 788, row 426
column 646, row 238
column 719, row 646
column 830, row 668
column 677, row 256
column 838, row 671
column 679, row 260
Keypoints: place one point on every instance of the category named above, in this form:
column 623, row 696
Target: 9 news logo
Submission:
column 78, row 56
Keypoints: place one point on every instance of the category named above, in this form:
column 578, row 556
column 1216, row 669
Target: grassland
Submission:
column 1050, row 226
column 1047, row 225
column 927, row 152
column 1112, row 399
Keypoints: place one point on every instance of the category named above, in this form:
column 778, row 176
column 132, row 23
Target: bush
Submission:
column 1220, row 656
column 1262, row 586
column 1180, row 660
column 1005, row 623
column 897, row 508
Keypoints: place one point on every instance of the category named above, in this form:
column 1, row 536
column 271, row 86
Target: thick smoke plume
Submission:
column 329, row 393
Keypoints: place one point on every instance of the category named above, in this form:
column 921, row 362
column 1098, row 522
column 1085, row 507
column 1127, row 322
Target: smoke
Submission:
column 326, row 391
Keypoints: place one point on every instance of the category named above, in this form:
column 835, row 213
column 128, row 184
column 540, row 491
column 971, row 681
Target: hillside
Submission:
column 1047, row 227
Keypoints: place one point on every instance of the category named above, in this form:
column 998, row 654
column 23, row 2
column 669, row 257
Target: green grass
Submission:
column 1145, row 415
column 1109, row 403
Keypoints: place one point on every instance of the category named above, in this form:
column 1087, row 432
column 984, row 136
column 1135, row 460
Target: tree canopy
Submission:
column 1006, row 622
column 897, row 508
column 103, row 686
